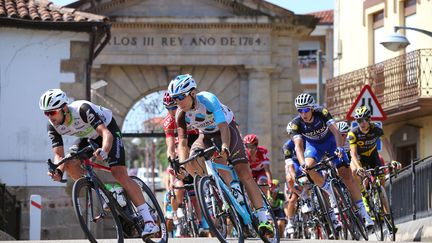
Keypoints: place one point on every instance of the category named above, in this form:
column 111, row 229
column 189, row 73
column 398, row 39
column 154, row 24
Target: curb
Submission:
column 417, row 230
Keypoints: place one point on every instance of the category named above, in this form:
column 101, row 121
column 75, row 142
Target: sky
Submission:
column 297, row 6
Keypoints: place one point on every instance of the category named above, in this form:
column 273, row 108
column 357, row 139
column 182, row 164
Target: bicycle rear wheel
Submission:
column 155, row 211
column 388, row 217
column 95, row 222
column 375, row 213
column 216, row 212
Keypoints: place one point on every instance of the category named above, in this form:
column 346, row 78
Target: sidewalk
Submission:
column 418, row 230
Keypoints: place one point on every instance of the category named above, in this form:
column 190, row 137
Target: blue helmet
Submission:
column 181, row 84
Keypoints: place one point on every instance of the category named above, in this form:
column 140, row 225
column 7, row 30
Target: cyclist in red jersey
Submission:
column 258, row 159
column 170, row 128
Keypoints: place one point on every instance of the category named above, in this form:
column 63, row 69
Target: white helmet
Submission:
column 52, row 99
column 304, row 100
column 181, row 84
column 343, row 127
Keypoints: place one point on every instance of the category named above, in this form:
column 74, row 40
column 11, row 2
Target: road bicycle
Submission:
column 89, row 195
column 348, row 214
column 189, row 223
column 318, row 223
column 376, row 198
column 220, row 208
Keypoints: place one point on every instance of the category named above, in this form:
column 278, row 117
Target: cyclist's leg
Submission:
column 73, row 167
column 313, row 154
column 119, row 171
column 197, row 166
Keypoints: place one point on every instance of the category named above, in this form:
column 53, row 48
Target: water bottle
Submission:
column 118, row 194
column 236, row 191
column 105, row 199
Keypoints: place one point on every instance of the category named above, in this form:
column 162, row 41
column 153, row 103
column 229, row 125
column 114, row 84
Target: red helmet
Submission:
column 168, row 101
column 250, row 139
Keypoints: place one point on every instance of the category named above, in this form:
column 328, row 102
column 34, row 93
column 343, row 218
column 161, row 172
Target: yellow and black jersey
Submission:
column 366, row 143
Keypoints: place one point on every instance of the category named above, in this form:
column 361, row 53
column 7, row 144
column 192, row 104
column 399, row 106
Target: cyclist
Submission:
column 344, row 128
column 258, row 159
column 170, row 127
column 276, row 199
column 317, row 127
column 84, row 119
column 203, row 111
column 293, row 169
column 363, row 147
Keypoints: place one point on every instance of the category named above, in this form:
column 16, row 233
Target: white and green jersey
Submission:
column 85, row 118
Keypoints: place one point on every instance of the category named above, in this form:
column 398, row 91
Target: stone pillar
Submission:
column 259, row 105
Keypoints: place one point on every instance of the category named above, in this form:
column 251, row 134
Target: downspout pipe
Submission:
column 94, row 53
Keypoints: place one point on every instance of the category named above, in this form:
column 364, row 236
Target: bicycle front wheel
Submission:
column 155, row 211
column 95, row 222
column 323, row 214
column 217, row 213
column 348, row 216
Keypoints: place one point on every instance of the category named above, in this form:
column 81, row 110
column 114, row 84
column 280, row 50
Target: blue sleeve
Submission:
column 212, row 105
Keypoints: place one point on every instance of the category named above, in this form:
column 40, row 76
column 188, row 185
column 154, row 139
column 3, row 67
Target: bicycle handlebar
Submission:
column 199, row 153
column 52, row 167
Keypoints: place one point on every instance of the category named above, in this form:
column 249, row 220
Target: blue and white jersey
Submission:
column 207, row 114
column 315, row 132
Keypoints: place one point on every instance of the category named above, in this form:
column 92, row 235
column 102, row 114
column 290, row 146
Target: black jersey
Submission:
column 366, row 143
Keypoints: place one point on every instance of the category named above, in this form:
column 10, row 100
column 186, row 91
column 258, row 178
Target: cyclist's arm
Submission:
column 182, row 147
column 354, row 156
column 299, row 148
column 170, row 142
column 107, row 138
column 268, row 173
column 89, row 115
column 225, row 135
column 336, row 134
column 58, row 155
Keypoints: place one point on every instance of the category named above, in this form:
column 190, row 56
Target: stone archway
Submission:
column 244, row 52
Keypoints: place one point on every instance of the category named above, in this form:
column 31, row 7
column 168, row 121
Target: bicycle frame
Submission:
column 212, row 168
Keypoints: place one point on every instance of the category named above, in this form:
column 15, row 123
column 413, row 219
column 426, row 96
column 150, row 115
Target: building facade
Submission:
column 400, row 80
column 244, row 52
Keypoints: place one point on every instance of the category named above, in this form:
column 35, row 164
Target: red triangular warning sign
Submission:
column 367, row 98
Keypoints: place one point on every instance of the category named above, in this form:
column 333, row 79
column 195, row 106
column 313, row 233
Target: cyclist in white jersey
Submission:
column 203, row 111
column 84, row 119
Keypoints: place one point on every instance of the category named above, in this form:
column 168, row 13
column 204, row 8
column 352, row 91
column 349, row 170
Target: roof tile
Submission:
column 43, row 10
column 325, row 17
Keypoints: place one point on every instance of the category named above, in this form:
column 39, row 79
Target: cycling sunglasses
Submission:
column 362, row 120
column 304, row 110
column 251, row 146
column 180, row 97
column 171, row 108
column 52, row 112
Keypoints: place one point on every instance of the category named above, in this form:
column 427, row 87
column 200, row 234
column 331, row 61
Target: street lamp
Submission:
column 396, row 41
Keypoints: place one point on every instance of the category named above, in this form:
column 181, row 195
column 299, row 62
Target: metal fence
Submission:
column 410, row 192
column 10, row 213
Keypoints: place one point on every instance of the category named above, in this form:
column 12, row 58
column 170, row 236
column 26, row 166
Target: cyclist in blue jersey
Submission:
column 293, row 169
column 317, row 127
column 203, row 111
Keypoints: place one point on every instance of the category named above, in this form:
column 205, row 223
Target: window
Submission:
column 378, row 35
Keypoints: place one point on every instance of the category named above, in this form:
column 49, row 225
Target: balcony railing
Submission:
column 398, row 83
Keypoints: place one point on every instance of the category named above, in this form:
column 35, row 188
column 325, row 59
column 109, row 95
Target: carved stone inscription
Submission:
column 172, row 42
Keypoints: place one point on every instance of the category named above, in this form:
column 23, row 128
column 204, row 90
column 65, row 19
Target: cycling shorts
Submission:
column 318, row 150
column 237, row 148
column 116, row 155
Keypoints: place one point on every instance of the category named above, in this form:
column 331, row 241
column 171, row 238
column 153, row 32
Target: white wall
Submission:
column 29, row 65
